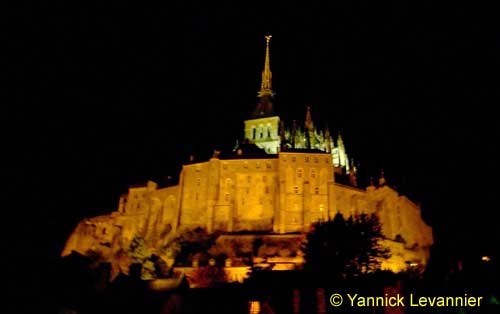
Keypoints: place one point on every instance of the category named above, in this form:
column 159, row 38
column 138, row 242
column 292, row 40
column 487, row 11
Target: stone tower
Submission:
column 262, row 128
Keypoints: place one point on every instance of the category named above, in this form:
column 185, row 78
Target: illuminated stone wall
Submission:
column 275, row 195
column 264, row 133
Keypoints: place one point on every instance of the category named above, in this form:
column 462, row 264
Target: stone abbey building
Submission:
column 275, row 185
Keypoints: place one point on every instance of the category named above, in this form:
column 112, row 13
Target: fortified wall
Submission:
column 280, row 195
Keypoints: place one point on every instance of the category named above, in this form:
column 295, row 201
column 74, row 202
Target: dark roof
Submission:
column 304, row 150
column 247, row 151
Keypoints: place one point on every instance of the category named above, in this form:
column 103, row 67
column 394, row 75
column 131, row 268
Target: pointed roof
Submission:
column 267, row 75
column 309, row 122
column 265, row 106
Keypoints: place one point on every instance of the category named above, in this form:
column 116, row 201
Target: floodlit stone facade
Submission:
column 282, row 190
column 279, row 195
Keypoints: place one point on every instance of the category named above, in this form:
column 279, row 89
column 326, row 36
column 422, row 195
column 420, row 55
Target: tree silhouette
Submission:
column 345, row 247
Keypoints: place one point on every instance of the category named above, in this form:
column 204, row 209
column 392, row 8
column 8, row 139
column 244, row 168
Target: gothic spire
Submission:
column 265, row 106
column 328, row 140
column 340, row 142
column 309, row 125
column 267, row 76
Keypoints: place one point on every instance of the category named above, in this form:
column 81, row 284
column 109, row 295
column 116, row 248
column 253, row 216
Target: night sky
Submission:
column 114, row 94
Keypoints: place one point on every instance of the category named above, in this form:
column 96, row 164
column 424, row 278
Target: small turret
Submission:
column 353, row 180
column 381, row 180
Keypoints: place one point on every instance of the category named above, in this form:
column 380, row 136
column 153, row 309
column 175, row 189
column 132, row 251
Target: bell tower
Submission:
column 262, row 128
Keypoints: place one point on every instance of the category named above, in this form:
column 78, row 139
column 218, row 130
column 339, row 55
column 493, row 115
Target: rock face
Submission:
column 280, row 194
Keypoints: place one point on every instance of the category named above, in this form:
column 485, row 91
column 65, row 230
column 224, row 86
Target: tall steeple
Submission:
column 262, row 128
column 267, row 75
column 265, row 106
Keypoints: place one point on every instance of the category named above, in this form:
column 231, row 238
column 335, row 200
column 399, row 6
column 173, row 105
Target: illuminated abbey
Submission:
column 275, row 184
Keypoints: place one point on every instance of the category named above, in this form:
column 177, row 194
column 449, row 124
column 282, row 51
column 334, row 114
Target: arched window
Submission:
column 268, row 131
column 254, row 133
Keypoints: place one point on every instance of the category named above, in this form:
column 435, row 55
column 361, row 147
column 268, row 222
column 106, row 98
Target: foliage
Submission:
column 148, row 270
column 342, row 247
column 188, row 244
column 139, row 253
column 138, row 250
column 209, row 276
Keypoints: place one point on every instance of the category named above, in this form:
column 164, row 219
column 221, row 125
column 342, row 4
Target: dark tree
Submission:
column 342, row 248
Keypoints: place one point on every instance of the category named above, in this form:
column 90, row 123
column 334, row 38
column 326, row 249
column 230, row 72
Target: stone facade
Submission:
column 279, row 195
column 291, row 184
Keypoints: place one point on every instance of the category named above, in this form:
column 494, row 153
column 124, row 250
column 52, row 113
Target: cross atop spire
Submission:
column 267, row 76
column 265, row 106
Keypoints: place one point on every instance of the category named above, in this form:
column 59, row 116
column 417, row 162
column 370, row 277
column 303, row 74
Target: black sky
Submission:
column 111, row 94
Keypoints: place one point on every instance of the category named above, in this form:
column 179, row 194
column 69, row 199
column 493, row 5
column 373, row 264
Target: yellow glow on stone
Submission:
column 254, row 307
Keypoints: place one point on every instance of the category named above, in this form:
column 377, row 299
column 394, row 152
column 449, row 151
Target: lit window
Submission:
column 299, row 173
column 254, row 307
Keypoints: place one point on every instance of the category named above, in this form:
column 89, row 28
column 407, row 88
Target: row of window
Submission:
column 261, row 132
column 258, row 165
column 316, row 160
column 296, row 190
column 300, row 173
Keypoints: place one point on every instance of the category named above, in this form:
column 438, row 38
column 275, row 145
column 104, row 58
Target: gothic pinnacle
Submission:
column 309, row 123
